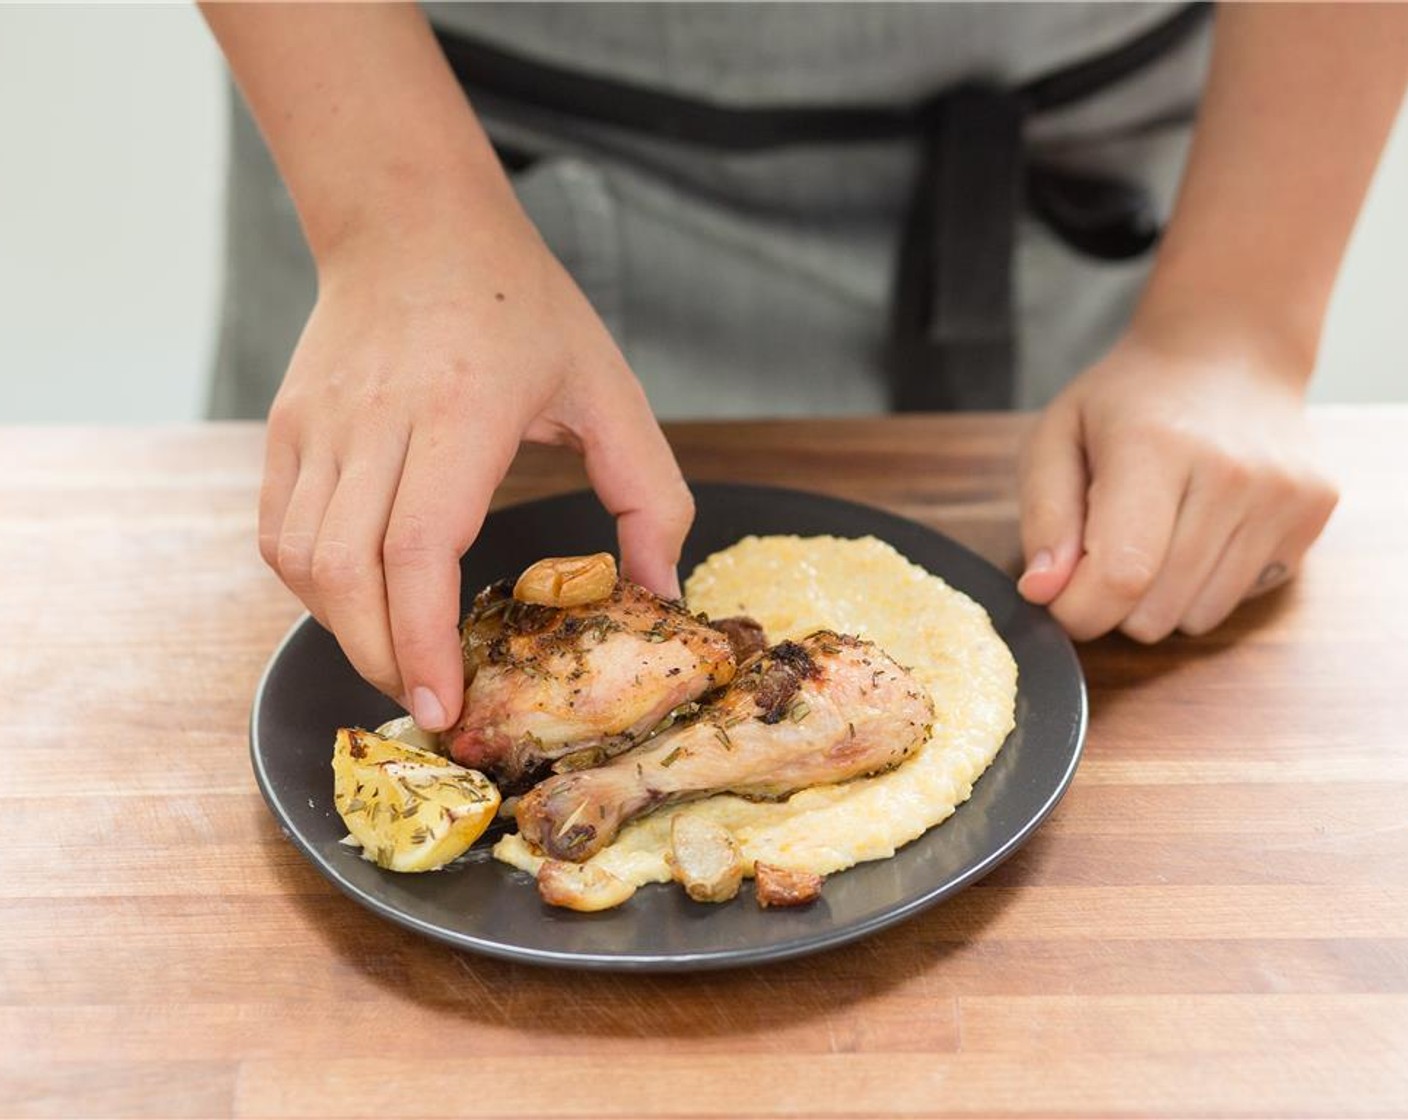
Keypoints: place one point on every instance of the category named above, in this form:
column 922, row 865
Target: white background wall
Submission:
column 112, row 151
column 112, row 159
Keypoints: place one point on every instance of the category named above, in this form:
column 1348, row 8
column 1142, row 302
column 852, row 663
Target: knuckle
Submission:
column 1168, row 437
column 1147, row 627
column 409, row 541
column 1195, row 626
column 295, row 557
column 336, row 569
column 1278, row 489
column 283, row 420
column 269, row 549
column 1309, row 498
column 376, row 392
column 1080, row 627
column 681, row 507
column 1146, row 630
column 1322, row 498
column 1228, row 472
column 1161, row 434
column 443, row 396
column 1203, row 620
column 1128, row 573
column 457, row 387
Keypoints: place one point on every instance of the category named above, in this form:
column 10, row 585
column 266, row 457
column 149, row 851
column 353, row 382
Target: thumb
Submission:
column 1052, row 481
column 634, row 473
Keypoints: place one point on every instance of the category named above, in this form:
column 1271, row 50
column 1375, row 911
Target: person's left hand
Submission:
column 1166, row 484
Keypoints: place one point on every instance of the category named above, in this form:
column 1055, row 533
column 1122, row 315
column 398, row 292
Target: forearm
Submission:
column 1298, row 105
column 367, row 124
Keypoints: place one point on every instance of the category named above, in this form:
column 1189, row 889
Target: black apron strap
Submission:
column 951, row 331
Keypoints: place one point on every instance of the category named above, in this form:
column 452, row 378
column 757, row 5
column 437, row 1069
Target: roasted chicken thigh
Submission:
column 572, row 686
column 825, row 709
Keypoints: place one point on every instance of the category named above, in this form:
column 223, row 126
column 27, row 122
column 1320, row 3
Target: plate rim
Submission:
column 803, row 945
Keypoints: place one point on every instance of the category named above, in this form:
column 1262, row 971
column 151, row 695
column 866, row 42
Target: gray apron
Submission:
column 757, row 282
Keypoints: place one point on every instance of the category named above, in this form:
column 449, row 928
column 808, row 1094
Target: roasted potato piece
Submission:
column 782, row 886
column 704, row 858
column 567, row 581
column 580, row 886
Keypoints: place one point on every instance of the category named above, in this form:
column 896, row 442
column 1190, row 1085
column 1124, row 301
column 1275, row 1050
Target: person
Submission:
column 1168, row 480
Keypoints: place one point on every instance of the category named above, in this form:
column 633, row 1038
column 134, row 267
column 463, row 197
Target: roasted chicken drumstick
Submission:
column 824, row 709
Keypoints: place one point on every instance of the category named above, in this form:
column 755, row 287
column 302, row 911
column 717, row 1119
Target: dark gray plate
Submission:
column 309, row 690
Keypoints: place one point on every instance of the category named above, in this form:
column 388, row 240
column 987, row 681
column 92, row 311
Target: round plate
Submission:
column 309, row 690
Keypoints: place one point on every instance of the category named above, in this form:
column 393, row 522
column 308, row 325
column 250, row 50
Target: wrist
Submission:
column 408, row 203
column 1267, row 343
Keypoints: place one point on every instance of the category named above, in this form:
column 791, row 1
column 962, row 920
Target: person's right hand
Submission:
column 427, row 359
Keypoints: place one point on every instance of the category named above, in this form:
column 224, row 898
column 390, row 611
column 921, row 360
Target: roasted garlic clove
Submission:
column 404, row 730
column 783, row 886
column 580, row 886
column 567, row 581
column 705, row 859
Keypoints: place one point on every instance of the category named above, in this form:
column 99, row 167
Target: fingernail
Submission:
column 1041, row 562
column 427, row 710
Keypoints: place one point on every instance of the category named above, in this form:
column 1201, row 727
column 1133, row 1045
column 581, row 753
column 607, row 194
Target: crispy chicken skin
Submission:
column 825, row 709
column 575, row 685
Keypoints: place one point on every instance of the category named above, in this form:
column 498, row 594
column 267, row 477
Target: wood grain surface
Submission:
column 1213, row 923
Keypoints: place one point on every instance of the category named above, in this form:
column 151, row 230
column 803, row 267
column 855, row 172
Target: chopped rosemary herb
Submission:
column 571, row 820
column 669, row 759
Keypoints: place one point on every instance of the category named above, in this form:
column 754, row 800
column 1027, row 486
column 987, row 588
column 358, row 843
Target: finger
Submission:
column 634, row 473
column 1317, row 500
column 347, row 571
column 1052, row 482
column 446, row 484
column 1133, row 504
column 317, row 479
column 1251, row 549
column 1215, row 505
column 1252, row 559
column 280, row 476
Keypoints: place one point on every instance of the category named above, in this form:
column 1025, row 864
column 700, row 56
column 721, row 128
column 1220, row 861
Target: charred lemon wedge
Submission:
column 410, row 810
